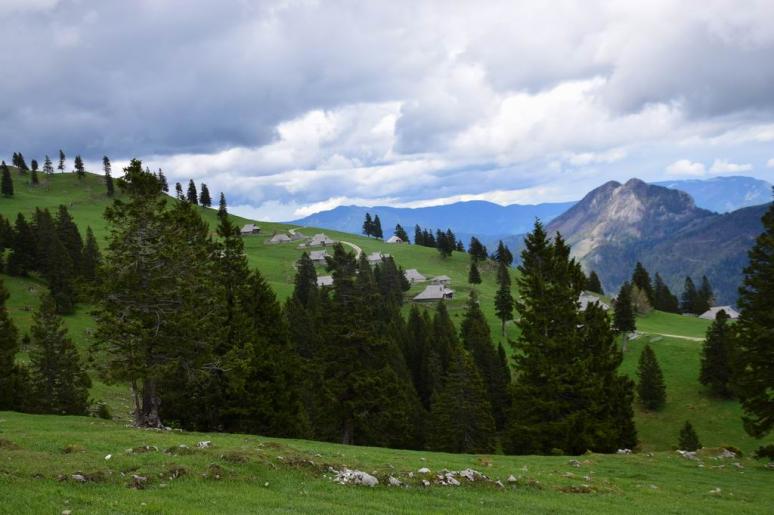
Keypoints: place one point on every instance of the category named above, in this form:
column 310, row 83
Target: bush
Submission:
column 689, row 440
column 102, row 410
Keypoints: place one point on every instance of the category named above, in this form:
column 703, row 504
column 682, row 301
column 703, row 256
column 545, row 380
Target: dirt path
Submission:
column 691, row 338
column 357, row 249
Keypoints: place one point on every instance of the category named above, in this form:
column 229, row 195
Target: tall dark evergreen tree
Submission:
column 593, row 284
column 753, row 351
column 568, row 394
column 716, row 357
column 58, row 381
column 12, row 383
column 378, row 232
column 503, row 254
column 34, row 179
column 222, row 207
column 204, row 196
column 61, row 165
column 368, row 225
column 6, row 182
column 22, row 258
column 401, row 233
column 504, row 302
column 474, row 276
column 191, row 195
column 34, row 166
column 650, row 386
column 20, row 163
column 689, row 302
column 477, row 250
column 79, row 168
column 92, row 258
column 641, row 279
column 70, row 236
column 418, row 236
column 688, row 440
column 179, row 191
column 108, row 178
column 163, row 181
column 623, row 320
column 704, row 297
column 55, row 261
column 48, row 167
column 663, row 299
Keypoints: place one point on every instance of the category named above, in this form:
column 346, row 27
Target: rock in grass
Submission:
column 394, row 481
column 423, row 470
column 512, row 479
column 355, row 477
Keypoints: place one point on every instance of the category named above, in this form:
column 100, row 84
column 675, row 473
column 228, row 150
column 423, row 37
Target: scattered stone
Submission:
column 79, row 477
column 499, row 484
column 727, row 454
column 447, row 479
column 688, row 455
column 423, row 470
column 266, row 484
column 411, row 474
column 354, row 477
column 142, row 449
column 568, row 474
column 770, row 465
column 512, row 479
column 577, row 489
column 738, row 465
column 138, row 482
column 471, row 475
column 66, row 512
column 204, row 444
column 624, row 451
column 425, row 482
column 574, row 463
column 392, row 481
column 715, row 491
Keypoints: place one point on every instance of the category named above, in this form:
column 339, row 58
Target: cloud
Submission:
column 770, row 163
column 685, row 167
column 724, row 166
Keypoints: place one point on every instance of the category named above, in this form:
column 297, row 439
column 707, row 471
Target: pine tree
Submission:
column 477, row 250
column 106, row 166
column 650, row 387
column 6, row 182
column 204, row 196
column 11, row 378
column 305, row 283
column 58, row 381
column 20, row 163
column 34, row 165
column 91, row 258
column 689, row 440
column 400, row 232
column 704, row 297
column 690, row 298
column 593, row 283
column 163, row 181
column 55, row 261
column 503, row 254
column 48, row 167
column 179, row 191
column 715, row 359
column 61, row 165
column 461, row 419
column 641, row 279
column 503, row 299
column 70, row 236
column 474, row 276
column 222, row 208
column 663, row 299
column 753, row 351
column 378, row 233
column 34, row 179
column 22, row 258
column 368, row 225
column 191, row 195
column 623, row 319
column 418, row 236
column 79, row 169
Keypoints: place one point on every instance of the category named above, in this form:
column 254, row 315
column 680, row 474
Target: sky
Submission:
column 292, row 107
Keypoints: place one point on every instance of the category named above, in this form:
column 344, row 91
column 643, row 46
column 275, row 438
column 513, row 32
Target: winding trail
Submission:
column 354, row 247
column 691, row 338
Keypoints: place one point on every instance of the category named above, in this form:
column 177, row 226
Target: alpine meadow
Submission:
column 527, row 262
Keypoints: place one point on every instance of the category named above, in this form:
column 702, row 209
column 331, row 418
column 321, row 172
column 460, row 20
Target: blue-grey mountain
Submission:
column 724, row 194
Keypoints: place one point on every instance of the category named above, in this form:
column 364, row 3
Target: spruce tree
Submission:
column 22, row 258
column 21, row 164
column 58, row 382
column 715, row 358
column 305, row 283
column 191, row 195
column 61, row 165
column 704, row 297
column 70, row 236
column 204, row 196
column 623, row 319
column 689, row 440
column 418, row 236
column 400, row 232
column 48, row 167
column 650, row 387
column 6, row 182
column 753, row 351
column 11, row 377
column 477, row 250
column 461, row 420
column 34, row 179
column 163, row 181
column 474, row 276
column 79, row 168
column 378, row 233
column 91, row 258
column 222, row 208
column 179, row 191
column 55, row 261
column 106, row 166
column 34, row 165
column 368, row 225
column 690, row 298
column 503, row 299
column 503, row 254
column 663, row 299
column 593, row 283
column 641, row 279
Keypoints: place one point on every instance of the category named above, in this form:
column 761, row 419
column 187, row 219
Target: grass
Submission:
column 241, row 474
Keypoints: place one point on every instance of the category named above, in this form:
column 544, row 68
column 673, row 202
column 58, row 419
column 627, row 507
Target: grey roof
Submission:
column 295, row 235
column 375, row 257
column 394, row 239
column 318, row 255
column 249, row 229
column 712, row 313
column 435, row 292
column 438, row 279
column 412, row 275
column 321, row 239
column 586, row 298
column 325, row 280
column 280, row 237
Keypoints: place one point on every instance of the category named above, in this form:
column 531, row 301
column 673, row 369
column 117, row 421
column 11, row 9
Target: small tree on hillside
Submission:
column 705, row 296
column 623, row 317
column 593, row 283
column 650, row 388
column 640, row 303
column 79, row 168
column 503, row 254
column 689, row 440
column 715, row 357
column 179, row 191
column 61, row 165
column 48, row 167
column 477, row 250
column 641, row 279
column 163, row 181
column 378, row 233
column 663, row 299
column 204, row 197
column 108, row 178
column 368, row 225
column 6, row 183
column 91, row 258
column 690, row 297
column 34, row 179
column 504, row 302
column 222, row 207
column 474, row 276
column 400, row 232
column 191, row 195
column 11, row 378
column 59, row 383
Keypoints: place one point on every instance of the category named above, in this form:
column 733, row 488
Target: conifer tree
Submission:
column 639, row 298
column 689, row 302
column 593, row 283
column 641, row 279
column 650, row 387
column 191, row 195
column 106, row 166
column 163, row 181
column 477, row 250
column 34, row 179
column 704, row 297
column 689, row 440
column 222, row 208
column 204, row 196
column 417, row 352
column 444, row 337
column 48, row 167
column 461, row 419
column 58, row 381
column 179, row 191
column 79, row 169
column 503, row 299
column 91, row 258
column 22, row 257
column 54, row 259
column 378, row 232
column 20, row 163
column 715, row 359
column 34, row 165
column 418, row 236
column 6, row 182
column 400, row 232
column 368, row 225
column 503, row 254
column 474, row 276
column 663, row 299
column 305, row 283
column 61, row 165
column 11, row 378
column 753, row 351
column 623, row 319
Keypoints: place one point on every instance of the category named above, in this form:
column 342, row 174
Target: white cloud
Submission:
column 587, row 158
column 725, row 166
column 685, row 167
column 770, row 163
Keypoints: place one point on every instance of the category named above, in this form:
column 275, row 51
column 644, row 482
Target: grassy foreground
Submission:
column 240, row 474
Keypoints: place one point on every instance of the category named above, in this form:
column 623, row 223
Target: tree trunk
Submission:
column 347, row 437
column 148, row 416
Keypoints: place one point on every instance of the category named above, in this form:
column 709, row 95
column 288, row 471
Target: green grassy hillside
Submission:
column 39, row 455
column 718, row 422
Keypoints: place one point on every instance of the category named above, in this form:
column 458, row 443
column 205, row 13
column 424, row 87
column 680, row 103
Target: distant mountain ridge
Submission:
column 723, row 194
column 616, row 225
